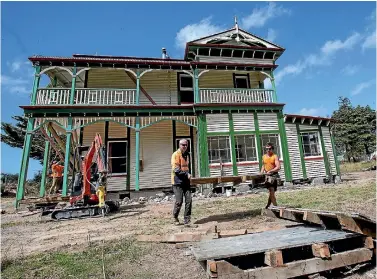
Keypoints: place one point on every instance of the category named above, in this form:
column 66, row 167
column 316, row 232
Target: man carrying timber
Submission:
column 271, row 167
column 57, row 177
column 180, row 180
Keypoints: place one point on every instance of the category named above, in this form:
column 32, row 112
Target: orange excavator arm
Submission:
column 95, row 148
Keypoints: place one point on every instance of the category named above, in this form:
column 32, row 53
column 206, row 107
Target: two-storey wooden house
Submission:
column 142, row 107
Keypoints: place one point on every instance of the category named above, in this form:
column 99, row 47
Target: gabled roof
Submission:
column 236, row 37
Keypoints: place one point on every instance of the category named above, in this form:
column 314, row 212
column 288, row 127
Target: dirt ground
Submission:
column 26, row 236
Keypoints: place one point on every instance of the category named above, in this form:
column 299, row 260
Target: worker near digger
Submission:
column 57, row 176
column 271, row 167
column 180, row 180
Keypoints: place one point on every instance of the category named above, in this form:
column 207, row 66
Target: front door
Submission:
column 189, row 148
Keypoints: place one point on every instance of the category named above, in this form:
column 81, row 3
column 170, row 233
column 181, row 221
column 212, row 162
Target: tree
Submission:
column 354, row 129
column 14, row 136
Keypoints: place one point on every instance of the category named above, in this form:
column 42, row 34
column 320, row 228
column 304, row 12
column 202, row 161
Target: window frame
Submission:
column 255, row 148
column 189, row 89
column 229, row 148
column 241, row 76
column 111, row 157
column 318, row 144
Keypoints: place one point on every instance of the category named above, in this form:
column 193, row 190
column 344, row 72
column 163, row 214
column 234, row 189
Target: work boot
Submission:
column 187, row 222
column 176, row 221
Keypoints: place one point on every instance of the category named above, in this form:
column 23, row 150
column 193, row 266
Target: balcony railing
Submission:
column 86, row 96
column 234, row 95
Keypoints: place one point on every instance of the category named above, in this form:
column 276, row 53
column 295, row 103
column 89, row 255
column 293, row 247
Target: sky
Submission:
column 330, row 46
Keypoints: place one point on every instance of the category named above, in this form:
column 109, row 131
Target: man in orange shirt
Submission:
column 57, row 176
column 271, row 167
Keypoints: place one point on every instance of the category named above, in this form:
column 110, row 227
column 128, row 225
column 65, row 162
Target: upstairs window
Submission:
column 186, row 88
column 241, row 81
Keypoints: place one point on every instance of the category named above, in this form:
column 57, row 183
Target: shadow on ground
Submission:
column 230, row 216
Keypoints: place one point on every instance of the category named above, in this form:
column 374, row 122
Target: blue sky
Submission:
column 330, row 46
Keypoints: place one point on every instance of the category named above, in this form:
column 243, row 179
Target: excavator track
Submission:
column 84, row 211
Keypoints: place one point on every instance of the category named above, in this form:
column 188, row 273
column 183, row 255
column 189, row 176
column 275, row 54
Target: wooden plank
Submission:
column 225, row 179
column 229, row 233
column 355, row 225
column 369, row 243
column 47, row 199
column 274, row 258
column 321, row 250
column 265, row 241
column 291, row 215
column 312, row 218
column 310, row 266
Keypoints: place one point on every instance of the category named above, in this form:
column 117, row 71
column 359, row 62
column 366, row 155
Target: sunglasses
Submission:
column 269, row 148
column 184, row 144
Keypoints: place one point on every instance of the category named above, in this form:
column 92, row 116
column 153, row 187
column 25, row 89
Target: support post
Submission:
column 203, row 146
column 284, row 143
column 274, row 95
column 137, row 87
column 259, row 144
column 325, row 158
column 24, row 162
column 46, row 157
column 137, row 155
column 196, row 87
column 67, row 157
column 72, row 96
column 37, row 79
column 335, row 156
column 233, row 144
column 302, row 155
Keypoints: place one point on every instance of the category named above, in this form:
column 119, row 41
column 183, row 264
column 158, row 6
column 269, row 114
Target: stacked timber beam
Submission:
column 215, row 180
column 353, row 222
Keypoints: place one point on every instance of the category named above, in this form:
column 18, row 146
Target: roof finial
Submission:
column 235, row 22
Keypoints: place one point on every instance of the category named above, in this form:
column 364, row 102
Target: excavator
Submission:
column 88, row 188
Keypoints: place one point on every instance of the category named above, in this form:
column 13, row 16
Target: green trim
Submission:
column 259, row 143
column 37, row 79
column 196, row 87
column 210, row 134
column 46, row 156
column 274, row 95
column 24, row 162
column 128, row 158
column 269, row 132
column 233, row 144
column 284, row 143
column 334, row 154
column 325, row 158
column 137, row 155
column 302, row 157
column 192, row 150
column 137, row 87
column 307, row 130
column 67, row 155
column 72, row 96
column 203, row 146
column 247, row 108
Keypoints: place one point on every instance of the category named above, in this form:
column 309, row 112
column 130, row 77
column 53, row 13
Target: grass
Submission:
column 354, row 167
column 86, row 264
column 331, row 198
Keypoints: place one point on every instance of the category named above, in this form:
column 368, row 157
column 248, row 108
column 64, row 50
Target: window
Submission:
column 310, row 144
column 186, row 88
column 274, row 139
column 246, row 148
column 185, row 83
column 219, row 147
column 117, row 156
column 241, row 81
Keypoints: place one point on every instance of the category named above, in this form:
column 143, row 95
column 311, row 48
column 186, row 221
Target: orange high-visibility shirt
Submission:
column 57, row 170
column 178, row 161
column 269, row 162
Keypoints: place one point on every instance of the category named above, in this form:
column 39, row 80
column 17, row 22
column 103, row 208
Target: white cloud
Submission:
column 323, row 58
column 321, row 111
column 361, row 86
column 195, row 31
column 271, row 35
column 370, row 41
column 20, row 89
column 267, row 83
column 350, row 70
column 260, row 16
column 331, row 47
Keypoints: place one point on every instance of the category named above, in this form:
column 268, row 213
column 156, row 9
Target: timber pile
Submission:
column 285, row 253
column 324, row 240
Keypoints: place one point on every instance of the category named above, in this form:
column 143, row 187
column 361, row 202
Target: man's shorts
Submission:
column 272, row 180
